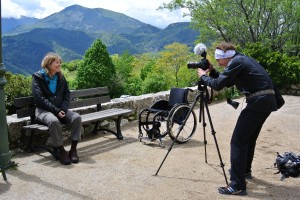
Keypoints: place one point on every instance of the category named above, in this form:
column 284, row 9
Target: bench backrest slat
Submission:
column 24, row 101
column 89, row 92
column 25, row 112
column 89, row 101
column 79, row 98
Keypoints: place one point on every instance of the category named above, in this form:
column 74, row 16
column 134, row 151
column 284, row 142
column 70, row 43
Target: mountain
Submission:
column 93, row 21
column 9, row 24
column 23, row 53
column 72, row 31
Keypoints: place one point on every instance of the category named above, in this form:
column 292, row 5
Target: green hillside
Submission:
column 23, row 53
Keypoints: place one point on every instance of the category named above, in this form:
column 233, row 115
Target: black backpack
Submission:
column 288, row 164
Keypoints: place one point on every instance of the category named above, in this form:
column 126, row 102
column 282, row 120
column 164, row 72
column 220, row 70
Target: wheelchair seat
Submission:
column 177, row 96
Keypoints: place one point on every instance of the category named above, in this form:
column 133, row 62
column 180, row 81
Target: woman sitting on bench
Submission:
column 52, row 97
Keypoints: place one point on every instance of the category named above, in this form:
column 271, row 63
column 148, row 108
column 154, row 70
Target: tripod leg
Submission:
column 170, row 148
column 213, row 132
column 202, row 116
column 180, row 128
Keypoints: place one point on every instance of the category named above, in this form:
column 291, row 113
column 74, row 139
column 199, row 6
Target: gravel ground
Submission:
column 111, row 169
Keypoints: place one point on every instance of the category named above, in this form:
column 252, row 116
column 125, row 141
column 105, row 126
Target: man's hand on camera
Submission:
column 202, row 72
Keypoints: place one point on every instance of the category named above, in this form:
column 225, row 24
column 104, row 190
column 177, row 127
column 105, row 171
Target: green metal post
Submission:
column 5, row 154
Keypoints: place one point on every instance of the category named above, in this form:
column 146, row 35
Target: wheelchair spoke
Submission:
column 175, row 124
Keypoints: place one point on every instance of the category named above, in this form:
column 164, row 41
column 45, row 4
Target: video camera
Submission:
column 200, row 49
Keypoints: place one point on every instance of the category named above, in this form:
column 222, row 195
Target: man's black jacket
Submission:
column 249, row 77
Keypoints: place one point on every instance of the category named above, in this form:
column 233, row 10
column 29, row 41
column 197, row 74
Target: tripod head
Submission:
column 204, row 91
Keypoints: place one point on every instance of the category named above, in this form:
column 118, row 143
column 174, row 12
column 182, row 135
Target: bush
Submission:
column 17, row 86
column 96, row 68
column 283, row 69
column 154, row 83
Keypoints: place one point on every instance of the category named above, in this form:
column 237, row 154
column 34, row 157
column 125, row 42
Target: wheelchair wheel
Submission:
column 153, row 124
column 175, row 122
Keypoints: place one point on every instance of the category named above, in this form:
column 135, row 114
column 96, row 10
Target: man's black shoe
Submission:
column 230, row 190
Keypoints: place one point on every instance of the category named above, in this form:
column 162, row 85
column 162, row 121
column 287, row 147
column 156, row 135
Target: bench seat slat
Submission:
column 95, row 116
column 39, row 127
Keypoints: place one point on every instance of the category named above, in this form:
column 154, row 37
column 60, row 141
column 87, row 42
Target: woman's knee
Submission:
column 76, row 118
column 54, row 123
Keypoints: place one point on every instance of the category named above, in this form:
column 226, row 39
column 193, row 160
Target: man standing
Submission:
column 251, row 79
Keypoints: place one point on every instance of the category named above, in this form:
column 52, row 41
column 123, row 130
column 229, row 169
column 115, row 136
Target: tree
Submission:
column 284, row 70
column 245, row 21
column 175, row 56
column 96, row 68
column 124, row 65
column 155, row 82
column 17, row 86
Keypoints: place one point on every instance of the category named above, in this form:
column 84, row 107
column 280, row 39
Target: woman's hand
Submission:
column 61, row 114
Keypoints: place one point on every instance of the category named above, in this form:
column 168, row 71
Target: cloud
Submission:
column 143, row 10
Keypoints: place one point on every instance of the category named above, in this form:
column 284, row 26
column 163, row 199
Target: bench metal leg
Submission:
column 118, row 125
column 117, row 133
column 3, row 168
column 31, row 148
column 29, row 145
column 3, row 173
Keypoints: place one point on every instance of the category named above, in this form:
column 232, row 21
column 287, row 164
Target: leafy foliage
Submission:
column 283, row 69
column 275, row 22
column 175, row 57
column 16, row 86
column 72, row 65
column 96, row 69
column 155, row 83
column 124, row 65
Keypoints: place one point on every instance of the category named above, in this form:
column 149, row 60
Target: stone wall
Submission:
column 292, row 90
column 17, row 138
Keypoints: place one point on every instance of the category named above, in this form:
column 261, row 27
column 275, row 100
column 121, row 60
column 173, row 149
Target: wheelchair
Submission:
column 165, row 118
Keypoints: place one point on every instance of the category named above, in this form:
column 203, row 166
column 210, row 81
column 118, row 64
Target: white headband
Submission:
column 219, row 54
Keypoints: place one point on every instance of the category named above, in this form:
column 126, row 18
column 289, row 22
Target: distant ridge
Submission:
column 72, row 31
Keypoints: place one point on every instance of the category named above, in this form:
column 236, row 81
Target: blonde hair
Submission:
column 225, row 46
column 48, row 60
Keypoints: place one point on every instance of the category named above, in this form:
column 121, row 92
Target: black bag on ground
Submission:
column 288, row 164
column 279, row 98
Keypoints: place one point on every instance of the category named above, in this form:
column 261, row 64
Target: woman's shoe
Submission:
column 73, row 156
column 64, row 158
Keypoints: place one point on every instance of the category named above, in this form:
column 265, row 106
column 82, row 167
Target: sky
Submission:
column 142, row 10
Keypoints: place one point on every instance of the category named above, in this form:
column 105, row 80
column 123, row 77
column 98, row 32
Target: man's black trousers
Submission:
column 243, row 143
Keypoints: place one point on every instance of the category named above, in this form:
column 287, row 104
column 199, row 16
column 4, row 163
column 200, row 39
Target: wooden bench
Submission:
column 79, row 98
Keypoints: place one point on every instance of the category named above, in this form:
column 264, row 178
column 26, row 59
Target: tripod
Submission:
column 203, row 97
